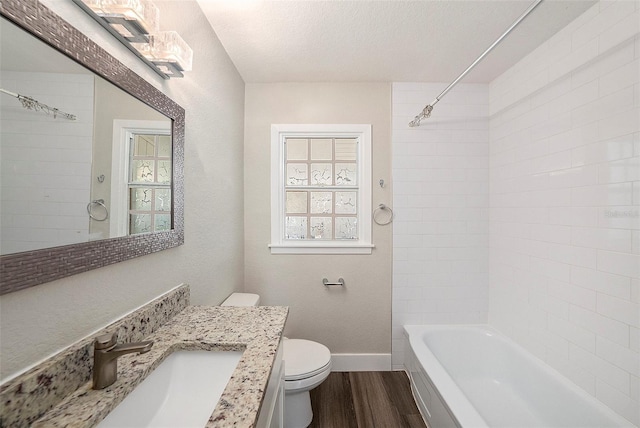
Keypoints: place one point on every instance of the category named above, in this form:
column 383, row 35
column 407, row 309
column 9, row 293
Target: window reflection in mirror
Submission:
column 63, row 180
column 150, row 183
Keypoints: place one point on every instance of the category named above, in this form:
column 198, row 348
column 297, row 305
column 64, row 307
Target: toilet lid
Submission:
column 304, row 358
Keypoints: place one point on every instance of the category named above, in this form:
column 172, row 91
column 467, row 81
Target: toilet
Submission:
column 306, row 365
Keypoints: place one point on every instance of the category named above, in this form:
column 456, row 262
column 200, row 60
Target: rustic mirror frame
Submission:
column 26, row 269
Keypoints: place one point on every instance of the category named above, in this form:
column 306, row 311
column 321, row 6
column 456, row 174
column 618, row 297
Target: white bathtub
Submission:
column 472, row 376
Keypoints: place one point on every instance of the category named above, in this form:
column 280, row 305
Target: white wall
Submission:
column 40, row 320
column 441, row 200
column 43, row 200
column 353, row 319
column 565, row 196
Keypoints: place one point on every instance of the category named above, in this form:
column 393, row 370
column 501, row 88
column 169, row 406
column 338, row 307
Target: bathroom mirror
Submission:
column 76, row 193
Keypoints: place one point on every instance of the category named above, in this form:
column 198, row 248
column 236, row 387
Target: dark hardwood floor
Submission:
column 365, row 400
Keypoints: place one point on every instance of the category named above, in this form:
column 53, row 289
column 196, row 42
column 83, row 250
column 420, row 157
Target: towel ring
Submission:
column 99, row 202
column 383, row 207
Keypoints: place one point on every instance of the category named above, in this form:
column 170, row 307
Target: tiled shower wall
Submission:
column 441, row 202
column 565, row 196
column 564, row 192
column 46, row 162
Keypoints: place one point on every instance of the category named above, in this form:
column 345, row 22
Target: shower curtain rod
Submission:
column 426, row 112
column 31, row 104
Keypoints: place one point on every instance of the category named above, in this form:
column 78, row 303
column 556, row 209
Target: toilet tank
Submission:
column 242, row 299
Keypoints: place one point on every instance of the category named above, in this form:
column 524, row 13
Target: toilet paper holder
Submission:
column 326, row 282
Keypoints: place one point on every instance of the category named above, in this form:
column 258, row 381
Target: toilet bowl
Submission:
column 306, row 365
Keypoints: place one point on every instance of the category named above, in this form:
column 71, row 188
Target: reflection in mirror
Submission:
column 103, row 175
column 119, row 119
column 79, row 193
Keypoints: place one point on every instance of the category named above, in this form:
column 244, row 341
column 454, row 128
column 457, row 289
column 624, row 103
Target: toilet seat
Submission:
column 308, row 383
column 305, row 359
column 303, row 376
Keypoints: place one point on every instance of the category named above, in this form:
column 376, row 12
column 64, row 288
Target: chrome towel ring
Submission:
column 99, row 202
column 380, row 208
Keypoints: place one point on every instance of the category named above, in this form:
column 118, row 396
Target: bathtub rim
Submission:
column 459, row 406
column 456, row 400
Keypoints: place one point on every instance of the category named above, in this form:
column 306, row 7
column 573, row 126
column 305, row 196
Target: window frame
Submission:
column 280, row 132
column 121, row 149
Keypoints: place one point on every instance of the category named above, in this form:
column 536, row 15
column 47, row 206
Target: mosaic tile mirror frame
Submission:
column 29, row 268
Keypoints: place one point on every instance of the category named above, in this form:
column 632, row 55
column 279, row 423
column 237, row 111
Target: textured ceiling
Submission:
column 394, row 40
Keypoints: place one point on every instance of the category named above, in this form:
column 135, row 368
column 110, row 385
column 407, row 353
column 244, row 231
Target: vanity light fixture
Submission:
column 136, row 24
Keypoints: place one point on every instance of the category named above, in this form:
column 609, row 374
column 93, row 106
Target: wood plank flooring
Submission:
column 365, row 400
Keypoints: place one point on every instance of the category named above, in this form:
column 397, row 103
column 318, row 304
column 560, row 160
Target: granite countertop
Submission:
column 254, row 330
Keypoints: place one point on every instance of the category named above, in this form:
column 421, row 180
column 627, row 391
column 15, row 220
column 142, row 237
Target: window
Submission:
column 321, row 189
column 150, row 183
column 141, row 177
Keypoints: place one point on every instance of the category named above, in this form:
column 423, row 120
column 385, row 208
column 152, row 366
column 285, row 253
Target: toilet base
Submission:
column 297, row 409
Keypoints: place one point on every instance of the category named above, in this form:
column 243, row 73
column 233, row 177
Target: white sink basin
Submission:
column 181, row 392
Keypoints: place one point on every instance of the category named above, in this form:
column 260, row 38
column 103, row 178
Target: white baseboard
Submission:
column 360, row 362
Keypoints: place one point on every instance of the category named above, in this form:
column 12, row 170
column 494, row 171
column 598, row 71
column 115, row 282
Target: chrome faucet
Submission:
column 105, row 357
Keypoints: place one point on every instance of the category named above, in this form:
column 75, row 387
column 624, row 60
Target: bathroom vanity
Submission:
column 251, row 398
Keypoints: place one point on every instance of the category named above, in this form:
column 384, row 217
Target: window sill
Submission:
column 321, row 248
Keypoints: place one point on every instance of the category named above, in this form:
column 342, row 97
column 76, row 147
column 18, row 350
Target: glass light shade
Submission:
column 144, row 49
column 167, row 47
column 94, row 5
column 144, row 12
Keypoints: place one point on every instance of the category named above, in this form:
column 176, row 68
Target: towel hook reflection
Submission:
column 100, row 203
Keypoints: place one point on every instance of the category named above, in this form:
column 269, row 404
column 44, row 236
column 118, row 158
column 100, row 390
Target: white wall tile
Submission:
column 602, row 239
column 619, row 171
column 564, row 195
column 619, row 309
column 623, row 30
column 574, row 334
column 602, row 195
column 608, row 104
column 617, row 400
column 634, row 339
column 621, row 356
column 604, row 151
column 603, row 282
column 573, row 294
column 623, row 264
column 616, row 331
column 578, row 375
column 620, row 217
column 620, row 78
column 441, row 195
column 574, row 216
column 619, row 125
column 603, row 369
column 575, row 59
